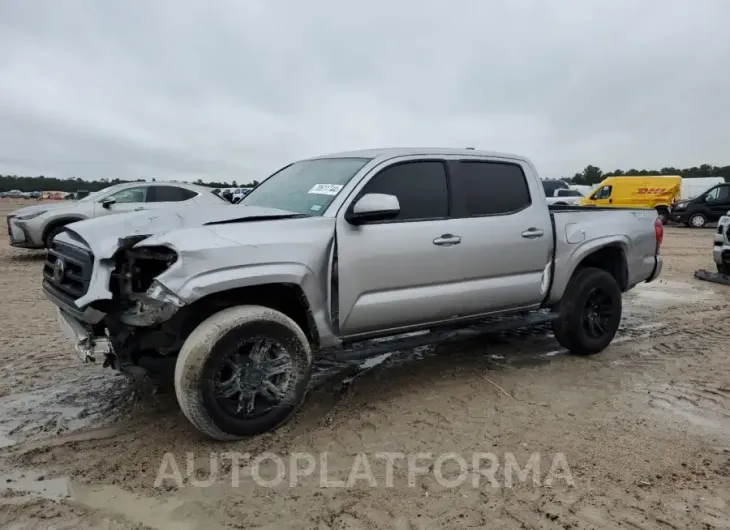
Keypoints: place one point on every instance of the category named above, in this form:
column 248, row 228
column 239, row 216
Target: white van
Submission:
column 693, row 187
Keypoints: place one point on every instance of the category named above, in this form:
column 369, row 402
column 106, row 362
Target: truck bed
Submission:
column 580, row 230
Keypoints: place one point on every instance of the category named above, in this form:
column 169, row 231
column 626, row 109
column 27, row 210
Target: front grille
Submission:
column 68, row 269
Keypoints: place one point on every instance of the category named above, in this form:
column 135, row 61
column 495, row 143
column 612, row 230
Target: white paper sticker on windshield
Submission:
column 316, row 207
column 325, row 189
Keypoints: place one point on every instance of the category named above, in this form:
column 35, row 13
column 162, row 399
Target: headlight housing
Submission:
column 159, row 292
column 29, row 216
column 680, row 206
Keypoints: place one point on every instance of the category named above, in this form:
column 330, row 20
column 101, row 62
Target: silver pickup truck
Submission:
column 407, row 246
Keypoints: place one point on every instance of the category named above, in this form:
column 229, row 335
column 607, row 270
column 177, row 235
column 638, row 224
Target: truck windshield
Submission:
column 307, row 187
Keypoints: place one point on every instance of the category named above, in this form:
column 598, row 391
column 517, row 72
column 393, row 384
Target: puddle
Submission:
column 698, row 405
column 35, row 483
column 85, row 401
column 668, row 292
column 695, row 418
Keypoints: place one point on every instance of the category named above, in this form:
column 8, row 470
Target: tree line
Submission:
column 592, row 175
column 27, row 184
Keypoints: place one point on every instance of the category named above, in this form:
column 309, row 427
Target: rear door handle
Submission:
column 447, row 240
column 532, row 233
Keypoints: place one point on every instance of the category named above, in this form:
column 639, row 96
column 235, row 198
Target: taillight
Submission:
column 658, row 232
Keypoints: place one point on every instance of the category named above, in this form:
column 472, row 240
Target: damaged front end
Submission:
column 143, row 301
column 142, row 317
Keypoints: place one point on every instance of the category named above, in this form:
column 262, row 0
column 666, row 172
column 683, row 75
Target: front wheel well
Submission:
column 284, row 297
column 58, row 223
column 611, row 259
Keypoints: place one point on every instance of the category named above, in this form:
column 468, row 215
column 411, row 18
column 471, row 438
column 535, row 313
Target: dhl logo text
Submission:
column 651, row 191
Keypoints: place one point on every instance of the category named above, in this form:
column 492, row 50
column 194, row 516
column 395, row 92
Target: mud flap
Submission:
column 714, row 277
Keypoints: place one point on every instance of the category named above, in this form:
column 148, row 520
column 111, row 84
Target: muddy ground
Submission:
column 644, row 428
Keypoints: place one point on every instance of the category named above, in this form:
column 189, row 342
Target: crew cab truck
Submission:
column 407, row 246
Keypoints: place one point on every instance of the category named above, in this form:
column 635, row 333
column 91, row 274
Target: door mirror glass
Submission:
column 373, row 207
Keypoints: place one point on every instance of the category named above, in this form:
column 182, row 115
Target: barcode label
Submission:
column 325, row 189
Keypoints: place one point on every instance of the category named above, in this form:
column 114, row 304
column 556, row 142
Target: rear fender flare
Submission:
column 565, row 266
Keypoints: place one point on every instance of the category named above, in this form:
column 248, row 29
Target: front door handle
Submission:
column 138, row 209
column 447, row 240
column 532, row 233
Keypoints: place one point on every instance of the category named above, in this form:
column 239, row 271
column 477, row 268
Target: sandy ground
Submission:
column 644, row 428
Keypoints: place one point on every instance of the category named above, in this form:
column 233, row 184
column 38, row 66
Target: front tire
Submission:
column 589, row 313
column 697, row 220
column 242, row 372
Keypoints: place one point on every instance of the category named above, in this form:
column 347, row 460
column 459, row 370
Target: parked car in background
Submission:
column 13, row 194
column 565, row 196
column 584, row 190
column 330, row 253
column 705, row 208
column 34, row 227
column 658, row 193
column 551, row 185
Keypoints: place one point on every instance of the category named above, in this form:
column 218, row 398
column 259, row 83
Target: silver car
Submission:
column 35, row 227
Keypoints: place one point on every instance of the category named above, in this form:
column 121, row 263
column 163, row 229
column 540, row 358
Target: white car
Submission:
column 565, row 196
column 35, row 227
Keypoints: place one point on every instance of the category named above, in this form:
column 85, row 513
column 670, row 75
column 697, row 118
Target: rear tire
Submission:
column 697, row 220
column 589, row 313
column 242, row 372
column 663, row 215
column 722, row 268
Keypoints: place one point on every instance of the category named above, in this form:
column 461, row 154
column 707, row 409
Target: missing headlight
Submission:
column 138, row 267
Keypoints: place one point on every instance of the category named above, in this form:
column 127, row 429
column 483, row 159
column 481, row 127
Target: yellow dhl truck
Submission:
column 658, row 193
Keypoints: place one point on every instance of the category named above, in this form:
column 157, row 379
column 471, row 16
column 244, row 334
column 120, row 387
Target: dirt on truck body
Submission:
column 643, row 427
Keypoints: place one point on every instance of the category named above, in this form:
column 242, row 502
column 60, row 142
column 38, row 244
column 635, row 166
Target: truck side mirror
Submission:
column 373, row 207
column 106, row 203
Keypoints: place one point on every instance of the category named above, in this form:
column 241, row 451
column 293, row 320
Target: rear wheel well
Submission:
column 283, row 297
column 611, row 259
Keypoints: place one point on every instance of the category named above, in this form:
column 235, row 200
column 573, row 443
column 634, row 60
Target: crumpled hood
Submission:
column 102, row 234
column 46, row 207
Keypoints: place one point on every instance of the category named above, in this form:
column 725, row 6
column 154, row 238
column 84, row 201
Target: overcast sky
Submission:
column 212, row 89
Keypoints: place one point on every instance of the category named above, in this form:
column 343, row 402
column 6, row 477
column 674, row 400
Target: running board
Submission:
column 374, row 347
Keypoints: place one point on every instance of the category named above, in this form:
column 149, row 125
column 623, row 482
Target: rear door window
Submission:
column 169, row 194
column 488, row 188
